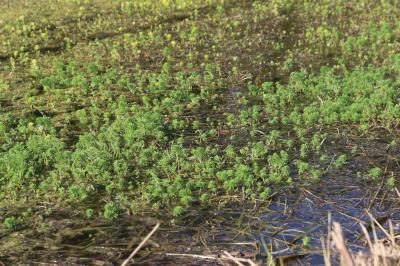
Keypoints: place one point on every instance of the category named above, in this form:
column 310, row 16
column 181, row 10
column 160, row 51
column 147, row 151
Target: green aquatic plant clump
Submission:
column 140, row 155
column 362, row 97
column 10, row 223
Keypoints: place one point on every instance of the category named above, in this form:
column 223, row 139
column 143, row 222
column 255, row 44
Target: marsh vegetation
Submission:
column 230, row 121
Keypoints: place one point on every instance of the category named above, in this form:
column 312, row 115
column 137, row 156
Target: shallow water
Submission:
column 290, row 220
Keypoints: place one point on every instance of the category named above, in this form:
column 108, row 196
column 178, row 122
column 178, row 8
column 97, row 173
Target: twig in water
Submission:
column 141, row 244
column 195, row 256
column 229, row 256
column 226, row 256
column 238, row 261
column 391, row 238
column 397, row 191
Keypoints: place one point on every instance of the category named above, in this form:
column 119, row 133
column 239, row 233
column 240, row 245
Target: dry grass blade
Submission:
column 337, row 238
column 381, row 251
column 141, row 245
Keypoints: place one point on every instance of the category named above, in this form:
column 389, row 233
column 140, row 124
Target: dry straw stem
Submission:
column 141, row 244
column 337, row 238
column 381, row 252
